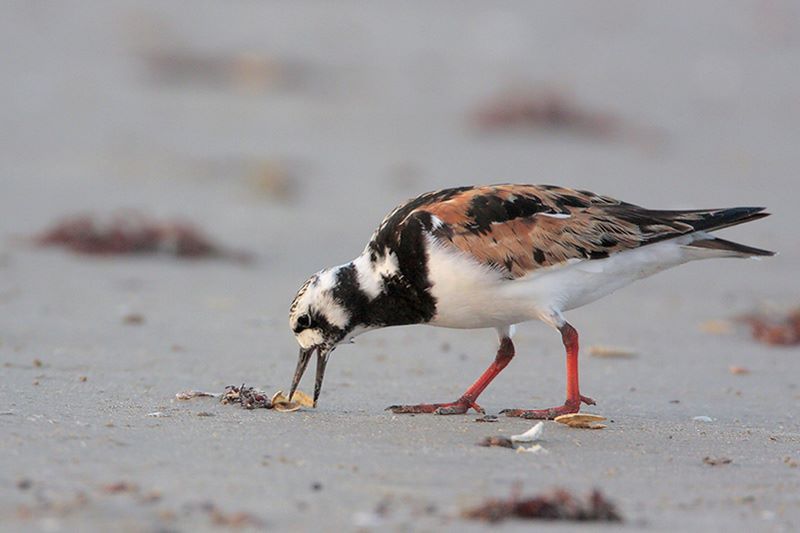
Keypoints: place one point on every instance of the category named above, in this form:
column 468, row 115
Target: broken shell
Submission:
column 300, row 399
column 535, row 448
column 286, row 407
column 532, row 435
column 303, row 399
column 278, row 397
column 581, row 420
column 189, row 394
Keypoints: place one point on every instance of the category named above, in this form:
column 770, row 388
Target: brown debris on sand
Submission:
column 120, row 487
column 556, row 505
column 248, row 71
column 497, row 440
column 239, row 519
column 782, row 330
column 716, row 461
column 581, row 420
column 611, row 352
column 252, row 398
column 189, row 394
column 247, row 397
column 129, row 233
column 542, row 109
column 133, row 319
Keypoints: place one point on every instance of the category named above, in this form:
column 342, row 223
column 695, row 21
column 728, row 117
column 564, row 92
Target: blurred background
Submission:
column 294, row 126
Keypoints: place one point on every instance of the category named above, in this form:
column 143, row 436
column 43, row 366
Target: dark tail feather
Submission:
column 725, row 218
column 729, row 246
column 662, row 225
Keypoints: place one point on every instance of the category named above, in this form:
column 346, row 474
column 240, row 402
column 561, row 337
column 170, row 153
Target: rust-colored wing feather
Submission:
column 520, row 228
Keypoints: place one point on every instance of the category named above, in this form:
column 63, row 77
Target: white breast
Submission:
column 470, row 295
column 467, row 293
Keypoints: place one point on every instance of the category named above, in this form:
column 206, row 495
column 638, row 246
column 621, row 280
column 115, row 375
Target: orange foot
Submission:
column 458, row 407
column 549, row 414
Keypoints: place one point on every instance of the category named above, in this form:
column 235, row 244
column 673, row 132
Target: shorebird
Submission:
column 495, row 256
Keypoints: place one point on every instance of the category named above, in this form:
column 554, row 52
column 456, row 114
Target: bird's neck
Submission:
column 383, row 296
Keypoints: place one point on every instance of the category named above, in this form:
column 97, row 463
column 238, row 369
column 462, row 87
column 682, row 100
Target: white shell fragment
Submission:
column 703, row 418
column 535, row 449
column 532, row 435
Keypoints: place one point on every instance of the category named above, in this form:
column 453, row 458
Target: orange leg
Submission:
column 504, row 355
column 569, row 336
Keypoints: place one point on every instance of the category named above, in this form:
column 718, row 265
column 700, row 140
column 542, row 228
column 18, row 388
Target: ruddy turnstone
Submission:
column 495, row 256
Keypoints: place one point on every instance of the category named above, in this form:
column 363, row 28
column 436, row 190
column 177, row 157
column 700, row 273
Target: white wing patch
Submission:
column 437, row 222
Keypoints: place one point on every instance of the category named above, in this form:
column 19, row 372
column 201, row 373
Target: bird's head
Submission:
column 320, row 318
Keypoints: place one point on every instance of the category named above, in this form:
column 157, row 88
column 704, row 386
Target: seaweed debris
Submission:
column 783, row 330
column 247, row 397
column 556, row 505
column 131, row 233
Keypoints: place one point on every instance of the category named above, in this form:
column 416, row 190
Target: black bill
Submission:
column 322, row 361
column 302, row 363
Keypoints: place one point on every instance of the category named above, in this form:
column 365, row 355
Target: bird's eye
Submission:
column 304, row 321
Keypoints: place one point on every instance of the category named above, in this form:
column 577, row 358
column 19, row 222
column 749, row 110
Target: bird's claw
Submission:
column 454, row 408
column 569, row 407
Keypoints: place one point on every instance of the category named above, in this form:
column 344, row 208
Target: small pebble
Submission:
column 133, row 319
column 500, row 441
column 716, row 461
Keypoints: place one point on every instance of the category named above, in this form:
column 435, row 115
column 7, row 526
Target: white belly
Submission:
column 470, row 295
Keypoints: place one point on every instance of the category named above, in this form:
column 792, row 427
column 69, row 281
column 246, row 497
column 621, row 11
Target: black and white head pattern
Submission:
column 315, row 316
column 340, row 303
